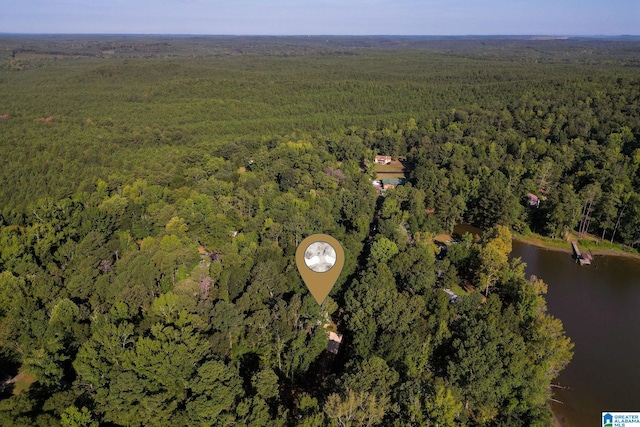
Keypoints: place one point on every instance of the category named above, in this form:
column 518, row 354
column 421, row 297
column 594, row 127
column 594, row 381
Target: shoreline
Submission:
column 535, row 241
column 558, row 419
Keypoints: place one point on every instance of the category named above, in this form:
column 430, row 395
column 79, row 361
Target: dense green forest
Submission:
column 154, row 191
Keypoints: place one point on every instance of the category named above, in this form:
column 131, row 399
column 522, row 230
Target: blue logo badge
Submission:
column 607, row 420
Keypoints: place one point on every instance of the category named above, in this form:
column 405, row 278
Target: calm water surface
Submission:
column 600, row 308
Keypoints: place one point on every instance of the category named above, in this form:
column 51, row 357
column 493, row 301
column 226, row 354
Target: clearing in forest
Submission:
column 395, row 169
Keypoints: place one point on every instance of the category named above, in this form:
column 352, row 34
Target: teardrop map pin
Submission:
column 320, row 259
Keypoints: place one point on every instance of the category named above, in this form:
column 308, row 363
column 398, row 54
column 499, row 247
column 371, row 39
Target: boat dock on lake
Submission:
column 583, row 259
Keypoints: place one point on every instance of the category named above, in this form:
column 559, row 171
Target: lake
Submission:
column 599, row 306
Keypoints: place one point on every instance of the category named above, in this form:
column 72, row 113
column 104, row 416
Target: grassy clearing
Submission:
column 458, row 290
column 23, row 382
column 603, row 247
column 384, row 175
column 442, row 238
column 393, row 170
column 394, row 167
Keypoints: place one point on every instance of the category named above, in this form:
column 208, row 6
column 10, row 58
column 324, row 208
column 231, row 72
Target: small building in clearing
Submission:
column 383, row 160
column 452, row 296
column 334, row 342
column 533, row 200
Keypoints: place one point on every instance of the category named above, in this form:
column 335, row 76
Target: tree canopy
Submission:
column 155, row 191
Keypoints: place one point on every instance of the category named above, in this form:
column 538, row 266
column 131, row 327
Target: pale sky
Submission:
column 326, row 17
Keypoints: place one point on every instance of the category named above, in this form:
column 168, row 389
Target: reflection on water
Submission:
column 600, row 309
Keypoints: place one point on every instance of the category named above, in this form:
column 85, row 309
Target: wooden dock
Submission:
column 582, row 259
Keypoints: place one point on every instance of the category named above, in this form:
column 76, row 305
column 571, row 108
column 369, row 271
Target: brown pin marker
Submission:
column 320, row 259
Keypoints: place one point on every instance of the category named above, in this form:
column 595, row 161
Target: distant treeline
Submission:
column 622, row 49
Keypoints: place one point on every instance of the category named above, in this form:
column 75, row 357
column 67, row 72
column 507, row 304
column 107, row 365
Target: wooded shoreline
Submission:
column 534, row 241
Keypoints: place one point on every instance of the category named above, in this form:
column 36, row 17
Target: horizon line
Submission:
column 558, row 36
